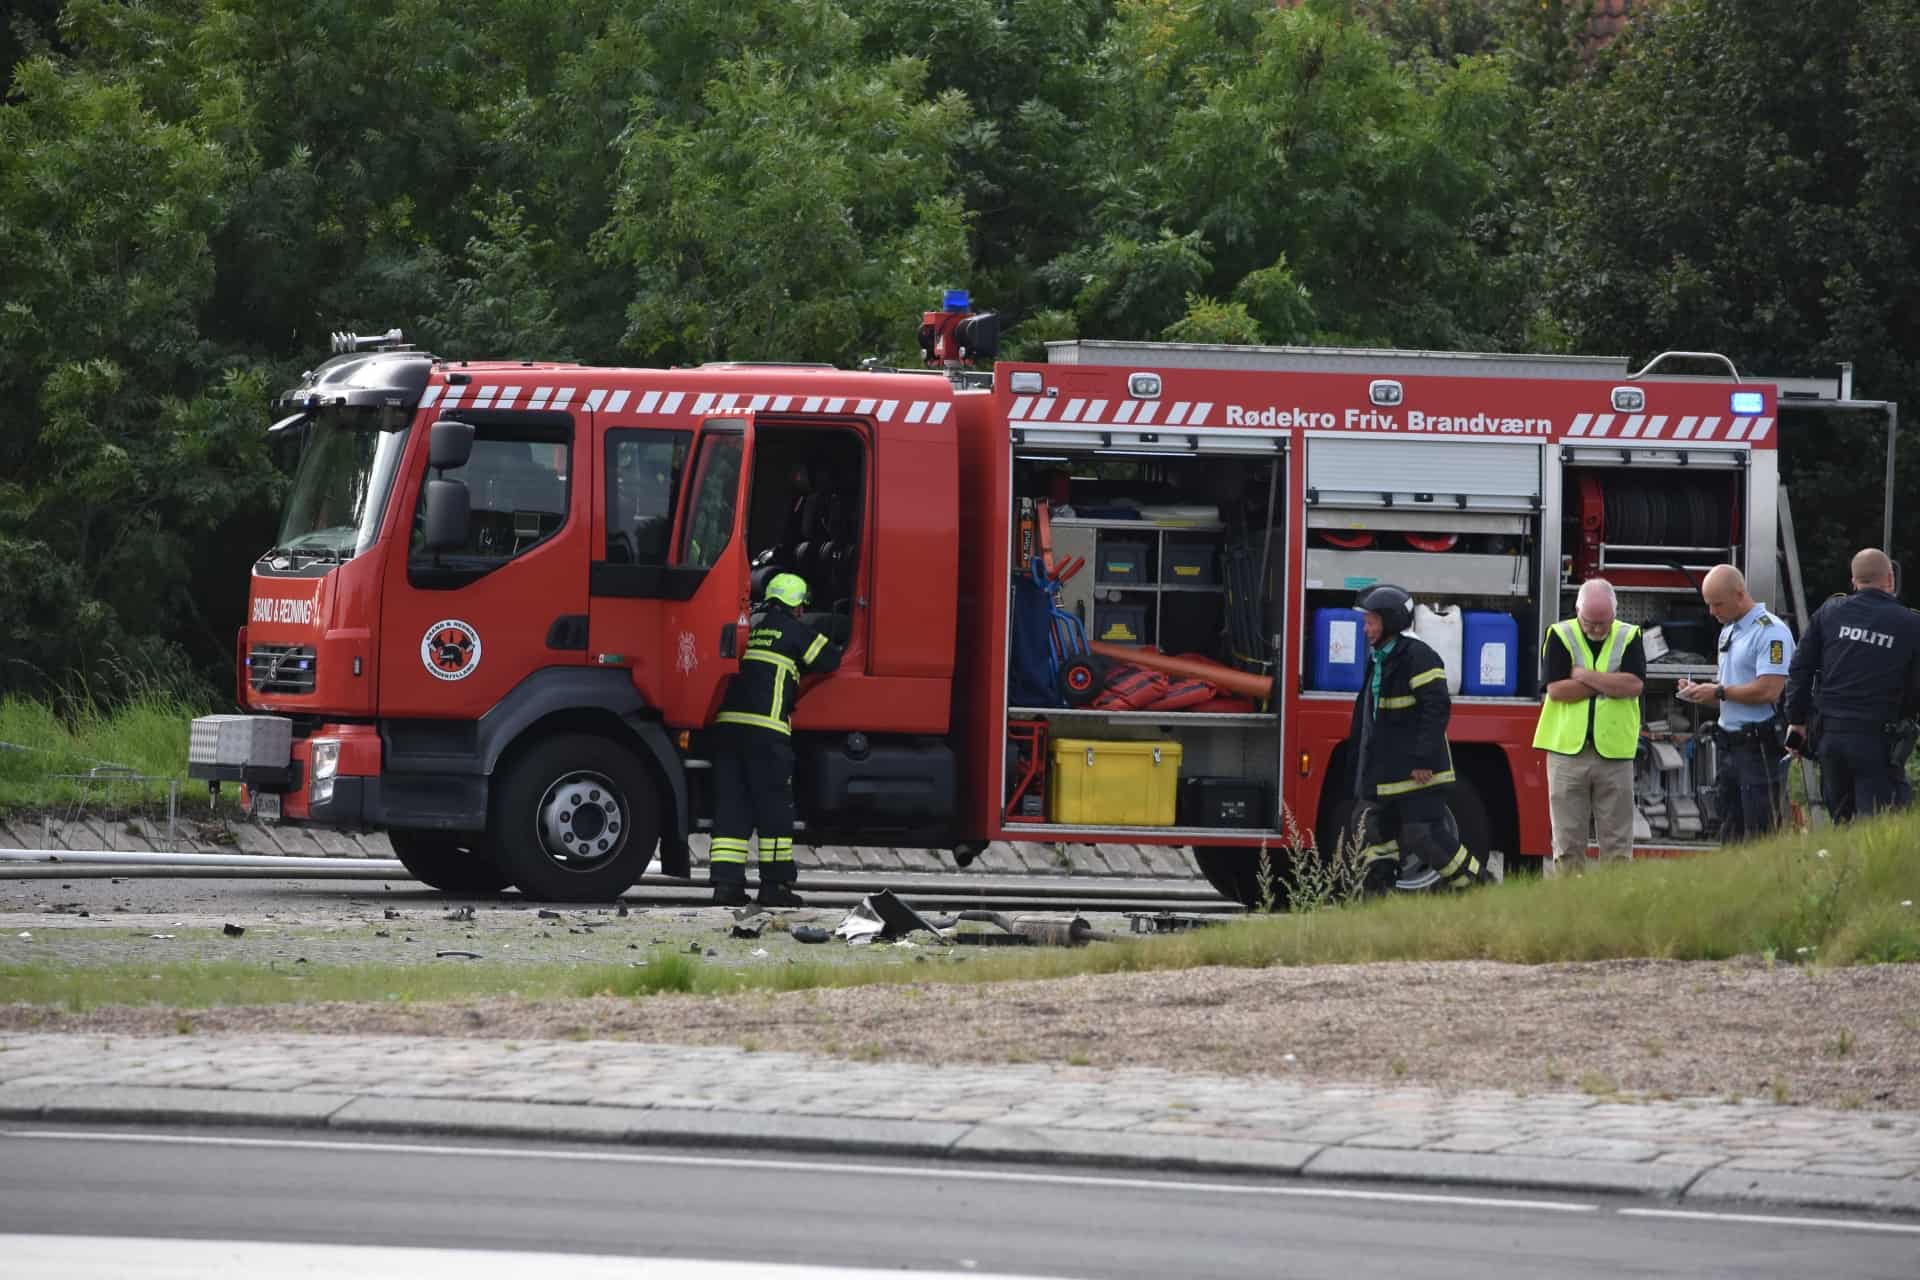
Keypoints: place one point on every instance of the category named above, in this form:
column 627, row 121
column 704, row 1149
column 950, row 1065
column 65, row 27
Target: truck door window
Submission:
column 644, row 470
column 709, row 524
column 519, row 492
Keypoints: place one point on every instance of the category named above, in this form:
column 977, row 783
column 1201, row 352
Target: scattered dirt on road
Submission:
column 1846, row 1038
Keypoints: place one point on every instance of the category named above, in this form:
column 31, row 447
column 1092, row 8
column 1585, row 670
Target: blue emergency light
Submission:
column 956, row 300
column 1749, row 404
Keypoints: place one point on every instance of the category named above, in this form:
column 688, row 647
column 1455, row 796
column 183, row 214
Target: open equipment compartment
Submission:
column 1179, row 553
column 1653, row 521
column 1458, row 524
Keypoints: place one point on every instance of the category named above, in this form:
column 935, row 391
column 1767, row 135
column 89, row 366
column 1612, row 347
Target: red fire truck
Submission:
column 506, row 596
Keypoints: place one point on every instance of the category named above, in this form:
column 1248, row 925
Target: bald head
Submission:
column 1872, row 568
column 1596, row 606
column 1725, row 592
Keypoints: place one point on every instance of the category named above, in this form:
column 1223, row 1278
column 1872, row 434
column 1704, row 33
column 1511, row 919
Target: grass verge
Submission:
column 40, row 741
column 1835, row 897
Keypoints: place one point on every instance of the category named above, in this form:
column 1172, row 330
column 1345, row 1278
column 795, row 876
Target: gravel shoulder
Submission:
column 1847, row 1038
column 1632, row 1029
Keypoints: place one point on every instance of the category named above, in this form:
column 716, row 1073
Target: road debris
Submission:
column 232, row 930
column 460, row 914
column 457, row 955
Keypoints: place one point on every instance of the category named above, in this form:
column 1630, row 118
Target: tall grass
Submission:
column 143, row 732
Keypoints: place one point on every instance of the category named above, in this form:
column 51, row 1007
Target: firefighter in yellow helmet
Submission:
column 752, row 741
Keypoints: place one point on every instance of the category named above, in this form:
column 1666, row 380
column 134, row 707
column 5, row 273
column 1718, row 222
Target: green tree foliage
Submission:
column 1741, row 179
column 193, row 193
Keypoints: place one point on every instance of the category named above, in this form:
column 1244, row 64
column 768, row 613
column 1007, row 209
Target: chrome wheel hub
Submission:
column 581, row 820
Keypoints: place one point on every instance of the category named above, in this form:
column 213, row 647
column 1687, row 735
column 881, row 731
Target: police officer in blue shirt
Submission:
column 1859, row 668
column 1756, row 655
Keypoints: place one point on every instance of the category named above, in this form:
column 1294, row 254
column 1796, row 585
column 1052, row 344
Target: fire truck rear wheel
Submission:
column 576, row 819
column 450, row 861
column 1234, row 873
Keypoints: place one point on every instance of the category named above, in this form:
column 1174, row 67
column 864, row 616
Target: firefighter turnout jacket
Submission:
column 1400, row 721
column 780, row 649
column 1862, row 651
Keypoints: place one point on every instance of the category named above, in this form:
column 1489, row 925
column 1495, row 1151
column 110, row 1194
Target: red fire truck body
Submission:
column 479, row 672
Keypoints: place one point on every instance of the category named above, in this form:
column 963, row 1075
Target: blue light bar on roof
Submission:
column 957, row 300
column 1749, row 404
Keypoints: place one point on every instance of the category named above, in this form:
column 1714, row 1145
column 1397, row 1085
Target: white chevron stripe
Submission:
column 1655, row 426
column 1739, row 431
column 453, row 397
column 484, row 400
column 1198, row 418
column 1073, row 410
column 781, row 403
column 1707, row 428
column 916, row 411
column 1633, row 426
column 671, row 405
column 704, row 403
column 1579, row 427
column 1760, row 428
column 812, row 405
column 1147, row 410
column 540, row 397
column 886, row 410
column 1127, row 409
column 836, row 404
column 1179, row 414
column 562, row 398
column 433, row 394
column 939, row 414
column 1603, row 424
column 1020, row 407
column 1685, row 429
column 866, row 408
column 594, row 399
column 1042, row 407
column 619, row 401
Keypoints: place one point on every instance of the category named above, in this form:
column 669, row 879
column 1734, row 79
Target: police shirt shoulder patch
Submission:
column 1776, row 652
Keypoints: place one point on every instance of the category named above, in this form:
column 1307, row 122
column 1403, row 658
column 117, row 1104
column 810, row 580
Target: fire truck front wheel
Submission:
column 450, row 861
column 575, row 818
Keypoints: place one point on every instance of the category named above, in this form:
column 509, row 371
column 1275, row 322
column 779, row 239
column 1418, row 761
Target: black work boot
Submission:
column 779, row 895
column 729, row 893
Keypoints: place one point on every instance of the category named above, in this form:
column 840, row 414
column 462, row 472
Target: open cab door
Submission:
column 702, row 635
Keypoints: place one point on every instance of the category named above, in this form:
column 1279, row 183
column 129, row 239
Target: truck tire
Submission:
column 450, row 861
column 1234, row 873
column 576, row 818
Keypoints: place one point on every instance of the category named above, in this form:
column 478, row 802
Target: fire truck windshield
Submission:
column 340, row 490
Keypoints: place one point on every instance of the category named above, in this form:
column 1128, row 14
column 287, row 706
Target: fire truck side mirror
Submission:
column 450, row 444
column 448, row 510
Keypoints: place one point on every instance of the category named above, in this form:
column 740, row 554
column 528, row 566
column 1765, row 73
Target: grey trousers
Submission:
column 1588, row 791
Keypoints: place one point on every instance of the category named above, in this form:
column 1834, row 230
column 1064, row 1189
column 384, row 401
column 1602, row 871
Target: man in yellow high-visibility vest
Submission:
column 1593, row 666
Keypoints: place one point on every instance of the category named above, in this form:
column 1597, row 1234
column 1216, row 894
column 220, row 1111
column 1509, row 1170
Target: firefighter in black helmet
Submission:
column 753, row 747
column 1403, row 769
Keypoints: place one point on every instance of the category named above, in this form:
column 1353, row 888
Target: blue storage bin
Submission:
column 1337, row 658
column 1491, row 658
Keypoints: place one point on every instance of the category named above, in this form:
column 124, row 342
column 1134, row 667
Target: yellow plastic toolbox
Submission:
column 1113, row 784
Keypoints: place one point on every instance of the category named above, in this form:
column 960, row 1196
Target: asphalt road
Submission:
column 986, row 1221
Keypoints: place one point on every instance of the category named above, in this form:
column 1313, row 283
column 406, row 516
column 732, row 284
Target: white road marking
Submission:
column 943, row 1172
column 156, row 1258
column 1776, row 1220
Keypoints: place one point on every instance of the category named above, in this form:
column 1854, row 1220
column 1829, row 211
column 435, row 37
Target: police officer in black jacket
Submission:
column 1858, row 668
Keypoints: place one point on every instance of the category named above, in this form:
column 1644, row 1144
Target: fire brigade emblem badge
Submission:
column 450, row 649
column 688, row 658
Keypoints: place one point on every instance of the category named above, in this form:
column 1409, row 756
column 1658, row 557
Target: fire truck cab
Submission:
column 506, row 596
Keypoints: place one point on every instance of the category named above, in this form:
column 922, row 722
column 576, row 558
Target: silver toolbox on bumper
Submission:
column 251, row 749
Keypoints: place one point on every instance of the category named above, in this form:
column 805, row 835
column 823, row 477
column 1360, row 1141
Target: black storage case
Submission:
column 1223, row 802
column 1120, row 561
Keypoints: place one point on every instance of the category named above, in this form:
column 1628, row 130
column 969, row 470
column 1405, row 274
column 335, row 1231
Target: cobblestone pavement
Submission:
column 141, row 835
column 1704, row 1150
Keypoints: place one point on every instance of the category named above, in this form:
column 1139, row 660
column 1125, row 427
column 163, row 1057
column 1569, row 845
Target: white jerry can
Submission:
column 1443, row 629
